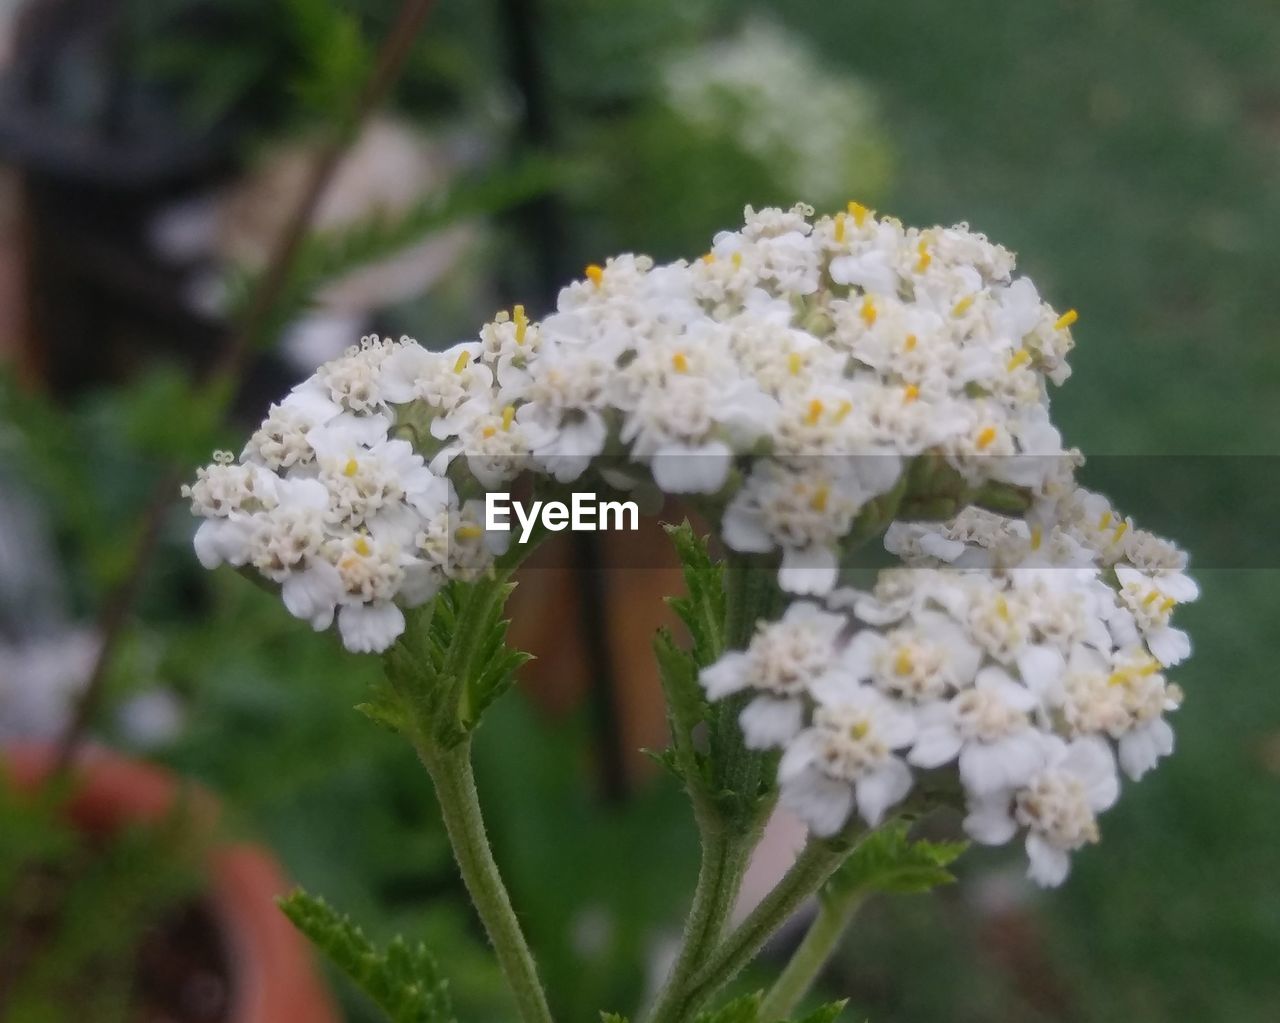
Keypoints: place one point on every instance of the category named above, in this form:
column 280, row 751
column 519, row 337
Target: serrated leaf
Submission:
column 744, row 1009
column 887, row 860
column 826, row 1013
column 701, row 609
column 612, row 1017
column 403, row 980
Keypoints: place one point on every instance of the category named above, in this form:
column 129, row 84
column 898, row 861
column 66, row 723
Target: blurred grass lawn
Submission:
column 1129, row 151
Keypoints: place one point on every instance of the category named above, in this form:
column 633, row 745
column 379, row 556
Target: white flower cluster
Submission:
column 1025, row 655
column 819, row 356
column 809, row 379
column 764, row 88
column 330, row 501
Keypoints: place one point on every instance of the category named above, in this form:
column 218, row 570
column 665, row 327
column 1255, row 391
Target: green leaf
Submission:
column 403, row 980
column 612, row 1017
column 744, row 1009
column 887, row 860
column 702, row 608
column 825, row 1013
column 448, row 666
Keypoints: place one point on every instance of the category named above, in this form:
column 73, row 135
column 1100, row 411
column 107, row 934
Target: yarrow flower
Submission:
column 809, row 382
column 1024, row 657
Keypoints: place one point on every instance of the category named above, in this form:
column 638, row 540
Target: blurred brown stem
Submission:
column 387, row 67
column 119, row 604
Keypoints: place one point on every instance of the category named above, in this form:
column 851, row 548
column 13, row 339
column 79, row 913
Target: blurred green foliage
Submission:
column 75, row 909
column 1127, row 150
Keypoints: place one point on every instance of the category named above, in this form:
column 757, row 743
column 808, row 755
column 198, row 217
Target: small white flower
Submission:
column 848, row 755
column 1058, row 807
column 988, row 728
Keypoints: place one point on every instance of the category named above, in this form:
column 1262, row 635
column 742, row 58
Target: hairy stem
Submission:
column 814, row 865
column 727, row 844
column 460, row 808
column 810, row 957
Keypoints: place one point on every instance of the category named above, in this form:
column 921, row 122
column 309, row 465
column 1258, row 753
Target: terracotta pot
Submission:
column 273, row 978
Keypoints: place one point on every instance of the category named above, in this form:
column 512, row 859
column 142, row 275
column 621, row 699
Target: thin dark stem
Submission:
column 114, row 618
column 119, row 604
column 390, row 62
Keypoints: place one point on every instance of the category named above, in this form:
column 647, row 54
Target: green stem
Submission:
column 724, row 861
column 460, row 807
column 727, row 844
column 815, row 864
column 810, row 957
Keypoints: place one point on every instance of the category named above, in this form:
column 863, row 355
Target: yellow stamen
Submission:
column 1105, row 521
column 737, row 260
column 986, row 437
column 903, row 664
column 1147, row 600
column 910, row 393
column 839, row 227
column 859, row 213
column 469, row 532
column 815, row 412
column 1120, row 530
column 1168, row 605
column 1120, row 678
column 362, row 547
column 488, row 432
column 351, row 468
column 963, row 306
column 508, row 417
column 680, row 362
column 1066, row 319
column 795, row 363
column 595, row 274
column 522, row 323
column 820, row 498
column 464, row 359
column 1037, row 537
column 1002, row 608
column 709, row 258
column 922, row 263
column 909, row 345
column 859, row 730
column 843, row 411
column 1020, row 357
column 869, row 311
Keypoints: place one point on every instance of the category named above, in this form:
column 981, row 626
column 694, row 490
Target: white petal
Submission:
column 768, row 723
column 742, row 529
column 935, row 746
column 1169, row 646
column 1041, row 668
column 312, row 593
column 700, row 469
column 370, row 628
column 1008, row 763
column 882, row 789
column 811, row 570
column 989, row 820
column 821, row 802
column 727, row 675
column 1142, row 748
column 1047, row 864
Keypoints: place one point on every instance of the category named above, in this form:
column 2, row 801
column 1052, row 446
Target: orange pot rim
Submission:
column 273, row 975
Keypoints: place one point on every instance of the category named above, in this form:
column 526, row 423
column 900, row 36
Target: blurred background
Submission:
column 155, row 156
